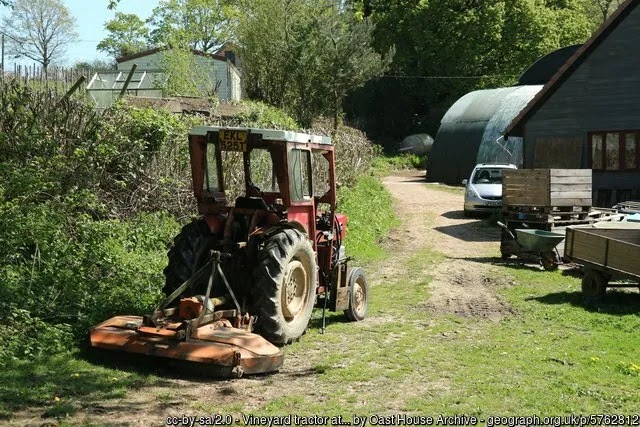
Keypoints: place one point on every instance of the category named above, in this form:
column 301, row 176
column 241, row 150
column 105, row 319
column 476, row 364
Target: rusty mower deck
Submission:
column 193, row 331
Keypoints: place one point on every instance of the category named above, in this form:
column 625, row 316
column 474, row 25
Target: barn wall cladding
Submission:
column 588, row 115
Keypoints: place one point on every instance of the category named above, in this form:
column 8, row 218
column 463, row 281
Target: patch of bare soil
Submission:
column 465, row 289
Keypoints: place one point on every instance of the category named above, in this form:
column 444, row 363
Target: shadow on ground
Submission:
column 471, row 232
column 615, row 302
column 48, row 382
column 331, row 318
column 414, row 179
column 460, row 215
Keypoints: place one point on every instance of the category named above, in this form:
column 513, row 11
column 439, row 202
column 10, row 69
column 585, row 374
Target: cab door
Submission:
column 302, row 209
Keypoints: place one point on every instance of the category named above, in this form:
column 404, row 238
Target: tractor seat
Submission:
column 256, row 203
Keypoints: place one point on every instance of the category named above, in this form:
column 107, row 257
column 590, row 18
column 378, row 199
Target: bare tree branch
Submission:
column 42, row 29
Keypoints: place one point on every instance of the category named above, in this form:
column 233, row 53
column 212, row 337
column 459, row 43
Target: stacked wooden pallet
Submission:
column 554, row 196
column 628, row 207
column 545, row 199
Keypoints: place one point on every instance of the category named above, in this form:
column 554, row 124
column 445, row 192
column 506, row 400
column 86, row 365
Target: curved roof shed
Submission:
column 455, row 149
column 493, row 150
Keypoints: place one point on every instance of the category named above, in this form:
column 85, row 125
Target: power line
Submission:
column 484, row 76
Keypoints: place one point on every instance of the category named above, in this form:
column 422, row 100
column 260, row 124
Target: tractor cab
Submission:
column 278, row 170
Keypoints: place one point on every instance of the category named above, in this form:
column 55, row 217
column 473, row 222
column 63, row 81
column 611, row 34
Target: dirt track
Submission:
column 462, row 285
column 433, row 218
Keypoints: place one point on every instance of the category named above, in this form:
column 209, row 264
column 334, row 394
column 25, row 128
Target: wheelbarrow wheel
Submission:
column 594, row 285
column 549, row 261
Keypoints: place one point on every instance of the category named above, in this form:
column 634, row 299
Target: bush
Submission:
column 78, row 271
column 386, row 164
column 354, row 151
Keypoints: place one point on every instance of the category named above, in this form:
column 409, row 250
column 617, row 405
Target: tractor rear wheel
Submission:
column 284, row 290
column 187, row 255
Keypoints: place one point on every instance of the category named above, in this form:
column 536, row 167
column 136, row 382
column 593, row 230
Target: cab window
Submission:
column 300, row 174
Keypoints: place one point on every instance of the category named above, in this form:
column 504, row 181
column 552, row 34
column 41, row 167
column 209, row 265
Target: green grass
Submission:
column 446, row 188
column 552, row 356
column 369, row 208
column 384, row 165
column 59, row 383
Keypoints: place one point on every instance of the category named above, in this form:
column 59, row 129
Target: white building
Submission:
column 148, row 78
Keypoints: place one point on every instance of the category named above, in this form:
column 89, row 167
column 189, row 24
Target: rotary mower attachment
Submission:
column 194, row 331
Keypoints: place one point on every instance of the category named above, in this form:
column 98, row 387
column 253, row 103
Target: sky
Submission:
column 90, row 17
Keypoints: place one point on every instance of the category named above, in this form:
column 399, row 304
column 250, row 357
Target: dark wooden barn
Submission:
column 588, row 114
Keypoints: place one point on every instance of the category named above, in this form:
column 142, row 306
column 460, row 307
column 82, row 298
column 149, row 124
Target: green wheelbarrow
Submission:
column 540, row 243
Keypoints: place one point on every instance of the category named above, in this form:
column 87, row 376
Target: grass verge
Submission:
column 384, row 165
column 369, row 207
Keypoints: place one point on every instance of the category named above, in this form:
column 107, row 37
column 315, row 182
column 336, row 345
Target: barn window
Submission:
column 630, row 151
column 615, row 150
column 612, row 155
column 596, row 151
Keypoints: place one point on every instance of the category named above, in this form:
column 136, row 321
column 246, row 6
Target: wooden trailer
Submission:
column 607, row 254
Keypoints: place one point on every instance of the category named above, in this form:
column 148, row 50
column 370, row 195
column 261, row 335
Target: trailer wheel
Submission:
column 594, row 285
column 285, row 286
column 187, row 255
column 358, row 295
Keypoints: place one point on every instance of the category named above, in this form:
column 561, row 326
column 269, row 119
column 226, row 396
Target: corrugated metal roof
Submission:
column 476, row 106
column 456, row 146
column 509, row 151
column 541, row 71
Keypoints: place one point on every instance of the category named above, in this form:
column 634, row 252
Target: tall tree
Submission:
column 312, row 55
column 447, row 48
column 198, row 24
column 44, row 27
column 600, row 10
column 347, row 55
column 128, row 34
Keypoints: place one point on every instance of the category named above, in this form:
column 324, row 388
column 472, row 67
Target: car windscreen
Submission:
column 488, row 176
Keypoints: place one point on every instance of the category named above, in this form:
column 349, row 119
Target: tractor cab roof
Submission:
column 268, row 134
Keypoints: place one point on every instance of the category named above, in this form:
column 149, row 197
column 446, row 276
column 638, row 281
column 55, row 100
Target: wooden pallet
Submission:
column 546, row 188
column 628, row 207
column 561, row 217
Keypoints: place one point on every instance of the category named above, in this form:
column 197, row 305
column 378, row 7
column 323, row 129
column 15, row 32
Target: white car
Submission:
column 483, row 191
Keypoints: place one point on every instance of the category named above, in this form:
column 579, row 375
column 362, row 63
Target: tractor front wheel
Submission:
column 284, row 289
column 359, row 295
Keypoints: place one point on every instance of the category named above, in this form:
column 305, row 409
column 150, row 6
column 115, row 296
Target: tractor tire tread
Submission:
column 279, row 249
column 183, row 254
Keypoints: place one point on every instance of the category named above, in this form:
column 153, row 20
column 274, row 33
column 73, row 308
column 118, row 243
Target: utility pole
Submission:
column 2, row 55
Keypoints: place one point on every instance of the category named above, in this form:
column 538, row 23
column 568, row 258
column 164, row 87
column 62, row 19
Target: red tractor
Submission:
column 260, row 263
